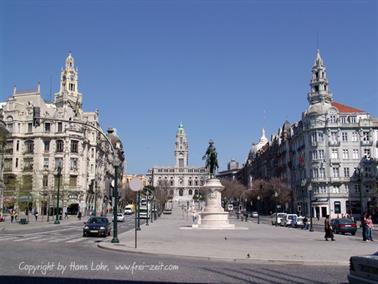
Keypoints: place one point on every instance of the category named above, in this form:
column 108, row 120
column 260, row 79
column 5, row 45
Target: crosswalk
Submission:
column 44, row 238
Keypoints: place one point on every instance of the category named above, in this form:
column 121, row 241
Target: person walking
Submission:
column 36, row 215
column 79, row 215
column 364, row 226
column 12, row 215
column 305, row 225
column 369, row 228
column 328, row 229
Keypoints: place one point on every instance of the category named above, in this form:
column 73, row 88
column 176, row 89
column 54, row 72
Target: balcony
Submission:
column 366, row 143
column 334, row 143
column 7, row 169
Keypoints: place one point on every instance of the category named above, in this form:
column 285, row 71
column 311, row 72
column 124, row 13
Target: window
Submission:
column 10, row 127
column 367, row 153
column 334, row 136
column 30, row 127
column 343, row 119
column 332, row 119
column 46, row 163
column 315, row 173
column 59, row 146
column 320, row 137
column 92, row 168
column 16, row 163
column 355, row 154
column 28, row 164
column 337, row 205
column 60, row 127
column 73, row 181
column 321, row 154
column 352, row 119
column 322, row 172
column 365, row 136
column 29, row 147
column 45, row 181
column 344, row 136
column 47, row 126
column 190, row 182
column 346, row 172
column 345, row 154
column 46, row 144
column 56, row 179
column 18, row 145
column 58, row 162
column 313, row 137
column 8, row 165
column 354, row 136
column 334, row 154
column 92, row 154
column 190, row 192
column 335, row 172
column 315, row 155
column 74, row 146
column 73, row 164
column 72, row 87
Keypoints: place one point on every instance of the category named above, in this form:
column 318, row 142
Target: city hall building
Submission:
column 181, row 181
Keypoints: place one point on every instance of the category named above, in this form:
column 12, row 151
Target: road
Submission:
column 60, row 255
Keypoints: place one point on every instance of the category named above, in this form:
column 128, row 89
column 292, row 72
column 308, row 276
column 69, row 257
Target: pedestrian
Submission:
column 328, row 229
column 369, row 228
column 79, row 215
column 245, row 215
column 12, row 216
column 364, row 226
column 305, row 225
column 66, row 215
column 36, row 215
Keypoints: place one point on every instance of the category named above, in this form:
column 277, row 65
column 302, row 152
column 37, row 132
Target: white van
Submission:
column 279, row 218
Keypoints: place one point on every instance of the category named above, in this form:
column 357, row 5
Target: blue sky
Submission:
column 217, row 66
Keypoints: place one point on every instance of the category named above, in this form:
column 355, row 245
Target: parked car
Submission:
column 289, row 219
column 128, row 211
column 363, row 269
column 298, row 223
column 279, row 218
column 344, row 225
column 254, row 214
column 120, row 217
column 99, row 226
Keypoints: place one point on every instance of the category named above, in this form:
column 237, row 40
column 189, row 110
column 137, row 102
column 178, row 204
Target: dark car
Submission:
column 363, row 269
column 99, row 226
column 343, row 225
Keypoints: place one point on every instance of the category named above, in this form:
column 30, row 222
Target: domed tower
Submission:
column 181, row 151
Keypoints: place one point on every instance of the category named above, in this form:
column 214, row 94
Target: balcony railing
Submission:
column 366, row 143
column 334, row 143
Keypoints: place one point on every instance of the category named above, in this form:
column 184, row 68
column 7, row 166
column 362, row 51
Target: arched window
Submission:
column 181, row 192
column 190, row 192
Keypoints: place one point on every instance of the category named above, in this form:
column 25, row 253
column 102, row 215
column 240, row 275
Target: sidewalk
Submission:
column 172, row 235
column 41, row 223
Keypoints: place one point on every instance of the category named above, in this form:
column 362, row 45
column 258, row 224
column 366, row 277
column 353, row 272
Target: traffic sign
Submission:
column 136, row 184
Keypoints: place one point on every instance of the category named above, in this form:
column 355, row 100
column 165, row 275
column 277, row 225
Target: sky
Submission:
column 225, row 69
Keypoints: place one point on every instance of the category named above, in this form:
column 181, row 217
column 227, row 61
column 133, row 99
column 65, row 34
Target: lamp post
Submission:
column 275, row 198
column 59, row 169
column 116, row 163
column 358, row 173
column 258, row 209
column 148, row 205
column 310, row 205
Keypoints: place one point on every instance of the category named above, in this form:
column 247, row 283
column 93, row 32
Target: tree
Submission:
column 233, row 189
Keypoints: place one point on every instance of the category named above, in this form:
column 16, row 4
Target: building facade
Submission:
column 329, row 158
column 181, row 181
column 45, row 136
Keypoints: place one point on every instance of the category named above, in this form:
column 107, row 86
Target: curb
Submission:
column 126, row 249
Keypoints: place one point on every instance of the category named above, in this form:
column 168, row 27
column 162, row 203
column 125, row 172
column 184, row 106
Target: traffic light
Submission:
column 36, row 116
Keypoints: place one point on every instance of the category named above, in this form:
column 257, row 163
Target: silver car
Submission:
column 363, row 269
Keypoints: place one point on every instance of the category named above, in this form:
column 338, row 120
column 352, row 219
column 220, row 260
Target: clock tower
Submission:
column 68, row 93
column 181, row 152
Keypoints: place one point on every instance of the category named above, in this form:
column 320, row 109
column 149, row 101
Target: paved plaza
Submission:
column 172, row 235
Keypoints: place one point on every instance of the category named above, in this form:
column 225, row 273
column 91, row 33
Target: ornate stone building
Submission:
column 329, row 156
column 65, row 136
column 181, row 180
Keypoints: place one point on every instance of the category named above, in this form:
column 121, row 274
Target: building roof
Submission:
column 345, row 108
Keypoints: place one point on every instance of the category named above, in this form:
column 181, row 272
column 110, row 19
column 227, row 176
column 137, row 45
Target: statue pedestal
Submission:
column 213, row 216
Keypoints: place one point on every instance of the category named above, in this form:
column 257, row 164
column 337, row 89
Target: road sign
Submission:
column 136, row 184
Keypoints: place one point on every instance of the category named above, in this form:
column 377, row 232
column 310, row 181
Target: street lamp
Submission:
column 116, row 163
column 59, row 169
column 358, row 174
column 258, row 209
column 275, row 198
column 310, row 205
